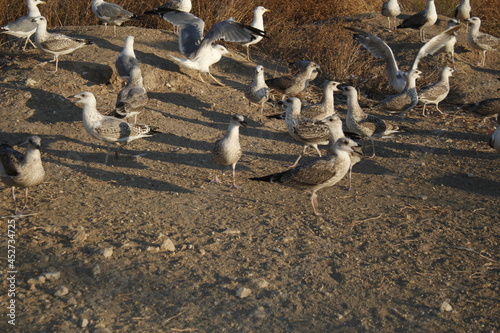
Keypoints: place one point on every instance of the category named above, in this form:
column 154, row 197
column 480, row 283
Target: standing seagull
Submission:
column 56, row 44
column 405, row 100
column 359, row 122
column 317, row 174
column 126, row 59
column 495, row 137
column 109, row 129
column 326, row 107
column 462, row 11
column 257, row 91
column 480, row 41
column 24, row 171
column 437, row 91
column 310, row 133
column 227, row 151
column 391, row 9
column 257, row 23
column 199, row 50
column 334, row 124
column 111, row 13
column 133, row 98
column 23, row 27
column 293, row 84
column 421, row 20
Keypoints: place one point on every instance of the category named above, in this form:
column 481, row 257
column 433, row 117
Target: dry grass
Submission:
column 335, row 50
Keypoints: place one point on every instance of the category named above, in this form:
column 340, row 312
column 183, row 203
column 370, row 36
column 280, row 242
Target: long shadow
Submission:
column 463, row 182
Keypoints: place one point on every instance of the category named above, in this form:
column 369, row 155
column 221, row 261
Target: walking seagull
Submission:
column 56, row 44
column 257, row 91
column 227, row 151
column 359, row 122
column 199, row 51
column 293, row 84
column 126, row 59
column 133, row 98
column 111, row 13
column 109, row 129
column 23, row 27
column 257, row 23
column 421, row 20
column 479, row 40
column 22, row 170
column 391, row 9
column 437, row 91
column 317, row 174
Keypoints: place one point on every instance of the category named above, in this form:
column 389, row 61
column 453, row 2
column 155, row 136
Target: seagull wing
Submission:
column 232, row 31
column 435, row 44
column 112, row 11
column 311, row 173
column 10, row 159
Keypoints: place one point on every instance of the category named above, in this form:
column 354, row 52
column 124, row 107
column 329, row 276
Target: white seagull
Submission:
column 110, row 13
column 422, row 19
column 257, row 91
column 391, row 9
column 23, row 27
column 257, row 23
column 126, row 59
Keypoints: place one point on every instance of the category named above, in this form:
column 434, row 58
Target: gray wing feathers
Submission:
column 10, row 159
column 435, row 44
column 61, row 43
column 113, row 11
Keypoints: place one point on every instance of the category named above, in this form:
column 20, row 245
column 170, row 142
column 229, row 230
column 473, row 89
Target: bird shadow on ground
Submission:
column 179, row 99
column 466, row 183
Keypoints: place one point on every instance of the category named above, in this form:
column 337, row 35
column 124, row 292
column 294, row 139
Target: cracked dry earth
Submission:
column 148, row 244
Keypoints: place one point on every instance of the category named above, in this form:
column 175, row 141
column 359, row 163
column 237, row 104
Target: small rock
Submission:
column 445, row 307
column 243, row 292
column 260, row 283
column 202, row 252
column 167, row 245
column 422, row 197
column 52, row 275
column 102, row 330
column 84, row 323
column 153, row 249
column 107, row 252
column 471, row 175
column 260, row 312
column 72, row 301
column 231, row 232
column 61, row 292
column 38, row 280
column 96, row 270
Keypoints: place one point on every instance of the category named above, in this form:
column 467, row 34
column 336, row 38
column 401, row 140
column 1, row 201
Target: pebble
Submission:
column 107, row 252
column 96, row 270
column 61, row 292
column 84, row 323
column 38, row 280
column 445, row 307
column 260, row 312
column 243, row 292
column 260, row 283
column 167, row 245
column 422, row 197
column 153, row 249
column 52, row 275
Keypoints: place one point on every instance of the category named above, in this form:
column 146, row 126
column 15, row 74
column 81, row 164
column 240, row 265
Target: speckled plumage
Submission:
column 437, row 91
column 227, row 151
column 133, row 98
column 22, row 170
column 326, row 106
column 406, row 100
column 316, row 174
column 257, row 91
column 480, row 41
column 292, row 84
column 110, row 13
column 23, row 27
column 422, row 19
column 487, row 107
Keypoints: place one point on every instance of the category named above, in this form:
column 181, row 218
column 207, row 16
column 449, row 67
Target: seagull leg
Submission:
column 317, row 149
column 314, row 203
column 16, row 211
column 437, row 108
column 216, row 179
column 201, row 78
column 350, row 174
column 373, row 148
column 26, row 43
column 25, row 199
column 423, row 110
column 298, row 158
column 57, row 62
column 234, row 176
column 114, row 30
column 217, row 81
column 107, row 153
column 248, row 53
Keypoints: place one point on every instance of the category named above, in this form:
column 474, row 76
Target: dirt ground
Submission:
column 414, row 247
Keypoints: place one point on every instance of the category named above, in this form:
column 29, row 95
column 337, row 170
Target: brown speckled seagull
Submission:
column 437, row 91
column 479, row 40
column 290, row 85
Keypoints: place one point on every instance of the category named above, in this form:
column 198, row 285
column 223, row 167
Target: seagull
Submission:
column 379, row 49
column 293, row 84
column 421, row 20
column 449, row 46
column 316, row 174
column 495, row 137
column 126, row 59
column 300, row 66
column 257, row 23
column 405, row 100
column 391, row 8
column 111, row 13
column 176, row 5
column 198, row 50
column 227, row 151
column 326, row 107
column 109, row 129
column 462, row 11
column 257, row 91
column 359, row 122
column 487, row 107
column 479, row 40
column 23, row 27
column 437, row 91
column 56, row 44
column 24, row 171
column 334, row 124
column 133, row 98
column 310, row 133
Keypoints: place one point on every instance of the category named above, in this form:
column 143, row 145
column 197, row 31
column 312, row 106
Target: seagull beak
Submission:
column 267, row 10
column 243, row 123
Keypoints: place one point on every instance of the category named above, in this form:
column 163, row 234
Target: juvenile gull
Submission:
column 111, row 13
column 198, row 50
column 293, row 84
column 257, row 23
column 334, row 124
column 405, row 100
column 495, row 137
column 437, row 91
column 391, row 9
column 23, row 27
column 109, row 129
column 421, row 20
column 126, row 59
column 257, row 91
column 301, row 66
column 359, row 122
column 317, row 174
column 22, row 170
column 480, row 41
column 56, row 44
column 310, row 133
column 133, row 98
column 326, row 107
column 227, row 151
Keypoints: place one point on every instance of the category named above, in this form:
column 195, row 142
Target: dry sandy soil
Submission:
column 413, row 247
